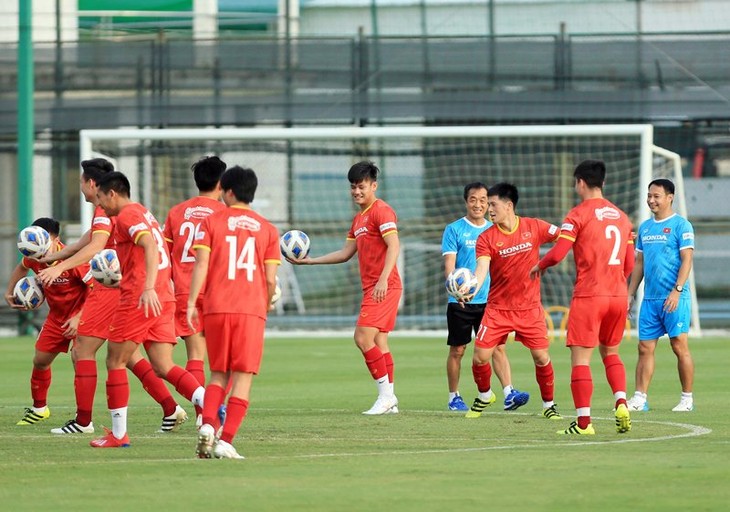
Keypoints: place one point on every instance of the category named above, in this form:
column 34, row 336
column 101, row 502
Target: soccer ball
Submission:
column 461, row 284
column 294, row 244
column 105, row 267
column 34, row 242
column 29, row 293
column 277, row 292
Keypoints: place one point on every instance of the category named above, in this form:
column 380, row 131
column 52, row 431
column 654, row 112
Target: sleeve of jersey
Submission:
column 273, row 253
column 687, row 236
column 557, row 253
column 101, row 224
column 482, row 250
column 387, row 223
column 448, row 242
column 202, row 237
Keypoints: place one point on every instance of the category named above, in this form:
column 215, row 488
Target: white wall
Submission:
column 44, row 20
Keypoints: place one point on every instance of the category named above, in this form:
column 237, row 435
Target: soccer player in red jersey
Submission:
column 146, row 310
column 507, row 250
column 65, row 296
column 97, row 314
column 181, row 226
column 237, row 251
column 374, row 237
column 603, row 248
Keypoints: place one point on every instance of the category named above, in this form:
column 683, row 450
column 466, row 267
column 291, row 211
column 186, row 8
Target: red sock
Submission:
column 155, row 386
column 616, row 375
column 214, row 395
column 235, row 412
column 40, row 381
column 85, row 387
column 375, row 362
column 482, row 376
column 581, row 384
column 389, row 366
column 184, row 383
column 117, row 389
column 545, row 377
column 196, row 367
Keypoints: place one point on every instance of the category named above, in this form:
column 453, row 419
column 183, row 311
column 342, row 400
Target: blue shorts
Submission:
column 654, row 322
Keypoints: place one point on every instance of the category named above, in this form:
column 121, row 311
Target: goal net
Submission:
column 303, row 185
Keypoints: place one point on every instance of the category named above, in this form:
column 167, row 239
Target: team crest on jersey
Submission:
column 197, row 212
column 526, row 235
column 243, row 222
column 500, row 244
column 667, row 230
column 133, row 230
column 102, row 220
column 607, row 213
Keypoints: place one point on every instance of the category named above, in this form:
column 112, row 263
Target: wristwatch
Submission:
column 679, row 287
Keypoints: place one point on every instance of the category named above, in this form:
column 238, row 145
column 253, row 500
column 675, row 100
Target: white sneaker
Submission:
column 172, row 422
column 637, row 403
column 383, row 405
column 206, row 436
column 684, row 405
column 225, row 450
column 71, row 427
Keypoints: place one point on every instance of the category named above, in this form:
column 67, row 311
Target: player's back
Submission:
column 181, row 226
column 241, row 242
column 602, row 234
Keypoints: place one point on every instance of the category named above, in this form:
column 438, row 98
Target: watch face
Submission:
column 679, row 288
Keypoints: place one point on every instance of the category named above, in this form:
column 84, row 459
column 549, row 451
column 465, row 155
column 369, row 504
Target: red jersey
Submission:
column 133, row 222
column 102, row 223
column 369, row 228
column 241, row 242
column 512, row 255
column 601, row 233
column 182, row 224
column 65, row 295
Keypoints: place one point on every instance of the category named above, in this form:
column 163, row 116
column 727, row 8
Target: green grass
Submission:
column 307, row 446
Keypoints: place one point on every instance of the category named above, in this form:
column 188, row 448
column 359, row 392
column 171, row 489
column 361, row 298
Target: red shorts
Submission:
column 130, row 324
column 596, row 320
column 51, row 338
column 182, row 328
column 380, row 315
column 99, row 309
column 528, row 325
column 235, row 342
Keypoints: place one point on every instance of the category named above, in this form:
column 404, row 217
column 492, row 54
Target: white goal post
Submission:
column 303, row 185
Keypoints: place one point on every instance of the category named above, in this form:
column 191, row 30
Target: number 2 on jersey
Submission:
column 611, row 232
column 243, row 260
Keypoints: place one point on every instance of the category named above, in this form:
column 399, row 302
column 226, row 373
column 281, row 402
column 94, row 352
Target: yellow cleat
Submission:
column 32, row 417
column 574, row 429
column 623, row 420
column 479, row 405
column 552, row 413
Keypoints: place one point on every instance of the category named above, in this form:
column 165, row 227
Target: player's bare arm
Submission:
column 200, row 272
column 93, row 244
column 149, row 300
column 18, row 273
column 69, row 250
column 392, row 242
column 449, row 263
column 672, row 301
column 481, row 273
column 637, row 275
column 71, row 325
column 340, row 256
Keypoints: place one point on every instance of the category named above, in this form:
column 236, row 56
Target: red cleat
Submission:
column 109, row 441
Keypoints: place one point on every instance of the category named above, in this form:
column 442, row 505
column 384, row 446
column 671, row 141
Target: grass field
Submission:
column 307, row 446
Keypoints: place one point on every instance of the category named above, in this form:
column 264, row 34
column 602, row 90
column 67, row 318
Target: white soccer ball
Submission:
column 105, row 267
column 277, row 292
column 28, row 293
column 34, row 242
column 294, row 244
column 461, row 284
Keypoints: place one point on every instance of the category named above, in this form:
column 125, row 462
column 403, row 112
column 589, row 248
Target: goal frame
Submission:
column 645, row 133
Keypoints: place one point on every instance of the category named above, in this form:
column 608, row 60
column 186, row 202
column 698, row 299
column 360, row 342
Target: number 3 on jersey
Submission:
column 243, row 260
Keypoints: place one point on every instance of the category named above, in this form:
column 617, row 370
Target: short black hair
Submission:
column 207, row 172
column 505, row 190
column 471, row 186
column 593, row 172
column 666, row 184
column 51, row 225
column 242, row 181
column 115, row 181
column 362, row 171
column 96, row 168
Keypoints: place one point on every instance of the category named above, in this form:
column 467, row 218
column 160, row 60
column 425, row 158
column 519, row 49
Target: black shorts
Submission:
column 463, row 322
